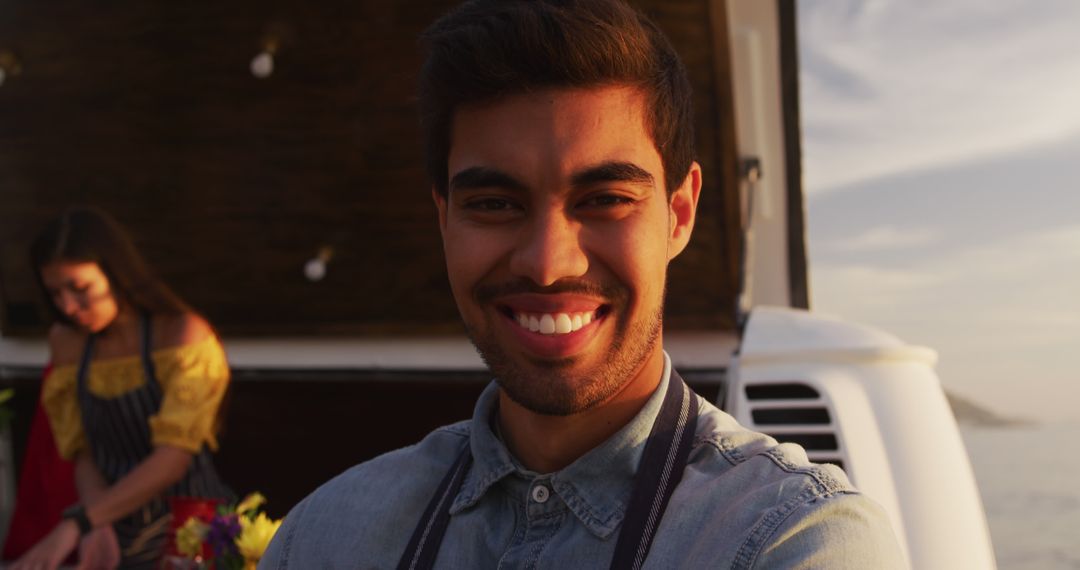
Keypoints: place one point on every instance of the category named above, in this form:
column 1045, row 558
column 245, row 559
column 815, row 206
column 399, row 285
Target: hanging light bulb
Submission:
column 262, row 65
column 315, row 268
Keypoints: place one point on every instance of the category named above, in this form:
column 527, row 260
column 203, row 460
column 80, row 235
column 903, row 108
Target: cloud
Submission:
column 999, row 312
column 868, row 293
column 1035, row 275
column 884, row 238
column 899, row 85
column 1040, row 260
column 967, row 205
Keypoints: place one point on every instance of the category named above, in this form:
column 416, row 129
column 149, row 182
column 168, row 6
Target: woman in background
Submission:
column 133, row 397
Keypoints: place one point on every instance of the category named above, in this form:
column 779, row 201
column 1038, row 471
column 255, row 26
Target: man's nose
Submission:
column 550, row 248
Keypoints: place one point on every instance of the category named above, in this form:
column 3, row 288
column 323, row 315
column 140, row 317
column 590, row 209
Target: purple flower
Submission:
column 223, row 529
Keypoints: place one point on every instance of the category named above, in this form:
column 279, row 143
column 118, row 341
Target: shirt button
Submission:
column 540, row 494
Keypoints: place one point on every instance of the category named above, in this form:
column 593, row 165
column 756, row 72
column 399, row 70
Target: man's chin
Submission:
column 550, row 396
column 567, row 385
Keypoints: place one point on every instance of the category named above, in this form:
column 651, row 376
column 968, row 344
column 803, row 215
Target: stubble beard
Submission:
column 549, row 387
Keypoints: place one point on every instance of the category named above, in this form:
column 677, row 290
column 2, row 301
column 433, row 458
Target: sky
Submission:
column 941, row 156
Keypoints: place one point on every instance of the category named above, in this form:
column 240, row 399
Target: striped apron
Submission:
column 118, row 436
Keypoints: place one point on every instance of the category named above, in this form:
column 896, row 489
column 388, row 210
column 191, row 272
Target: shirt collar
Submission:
column 596, row 487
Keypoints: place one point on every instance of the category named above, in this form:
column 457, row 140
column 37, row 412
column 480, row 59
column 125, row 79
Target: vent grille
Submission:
column 809, row 441
column 795, row 412
column 788, row 391
column 789, row 416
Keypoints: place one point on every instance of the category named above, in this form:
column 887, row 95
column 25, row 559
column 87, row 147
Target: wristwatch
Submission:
column 77, row 513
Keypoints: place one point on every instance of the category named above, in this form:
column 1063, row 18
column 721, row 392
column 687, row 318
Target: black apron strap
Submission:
column 147, row 350
column 424, row 545
column 87, row 355
column 661, row 469
column 80, row 377
column 662, row 463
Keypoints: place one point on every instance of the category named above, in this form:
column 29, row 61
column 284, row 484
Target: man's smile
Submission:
column 558, row 313
column 558, row 323
column 553, row 325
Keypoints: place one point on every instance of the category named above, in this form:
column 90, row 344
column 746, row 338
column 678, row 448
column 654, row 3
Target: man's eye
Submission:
column 489, row 205
column 606, row 201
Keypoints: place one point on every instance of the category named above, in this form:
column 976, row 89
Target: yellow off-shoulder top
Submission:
column 193, row 379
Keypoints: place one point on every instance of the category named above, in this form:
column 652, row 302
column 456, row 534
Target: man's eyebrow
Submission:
column 614, row 171
column 482, row 177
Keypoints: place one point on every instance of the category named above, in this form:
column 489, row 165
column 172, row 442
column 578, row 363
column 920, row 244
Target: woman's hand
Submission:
column 50, row 551
column 99, row 550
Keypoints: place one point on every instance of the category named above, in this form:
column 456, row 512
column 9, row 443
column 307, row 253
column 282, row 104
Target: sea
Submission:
column 1029, row 478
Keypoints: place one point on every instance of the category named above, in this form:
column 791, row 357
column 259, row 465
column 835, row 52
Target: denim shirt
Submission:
column 743, row 502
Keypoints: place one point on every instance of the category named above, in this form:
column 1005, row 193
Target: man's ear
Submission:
column 440, row 204
column 682, row 209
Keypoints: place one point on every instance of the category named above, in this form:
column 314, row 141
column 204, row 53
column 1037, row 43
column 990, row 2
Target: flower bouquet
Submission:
column 226, row 538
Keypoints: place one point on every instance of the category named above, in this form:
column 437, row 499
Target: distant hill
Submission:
column 968, row 412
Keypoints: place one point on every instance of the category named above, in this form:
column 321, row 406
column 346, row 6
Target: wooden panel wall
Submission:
column 231, row 183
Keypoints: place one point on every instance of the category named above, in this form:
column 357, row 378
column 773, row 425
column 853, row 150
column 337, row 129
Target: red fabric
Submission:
column 184, row 508
column 46, row 487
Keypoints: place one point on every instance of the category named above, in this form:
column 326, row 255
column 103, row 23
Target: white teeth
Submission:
column 562, row 323
column 554, row 323
column 547, row 324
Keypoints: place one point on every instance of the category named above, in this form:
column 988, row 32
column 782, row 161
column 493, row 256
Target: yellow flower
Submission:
column 255, row 535
column 251, row 502
column 189, row 538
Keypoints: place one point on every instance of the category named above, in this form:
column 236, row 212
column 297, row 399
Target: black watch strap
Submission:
column 77, row 513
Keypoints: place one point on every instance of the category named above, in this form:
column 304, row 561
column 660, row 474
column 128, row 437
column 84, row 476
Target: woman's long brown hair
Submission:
column 88, row 234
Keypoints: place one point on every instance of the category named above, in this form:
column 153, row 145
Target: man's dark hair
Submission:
column 485, row 50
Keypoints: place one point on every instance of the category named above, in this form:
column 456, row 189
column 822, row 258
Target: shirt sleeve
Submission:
column 60, row 399
column 194, row 379
column 842, row 530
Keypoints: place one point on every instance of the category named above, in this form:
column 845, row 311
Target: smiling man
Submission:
column 558, row 230
column 560, row 149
